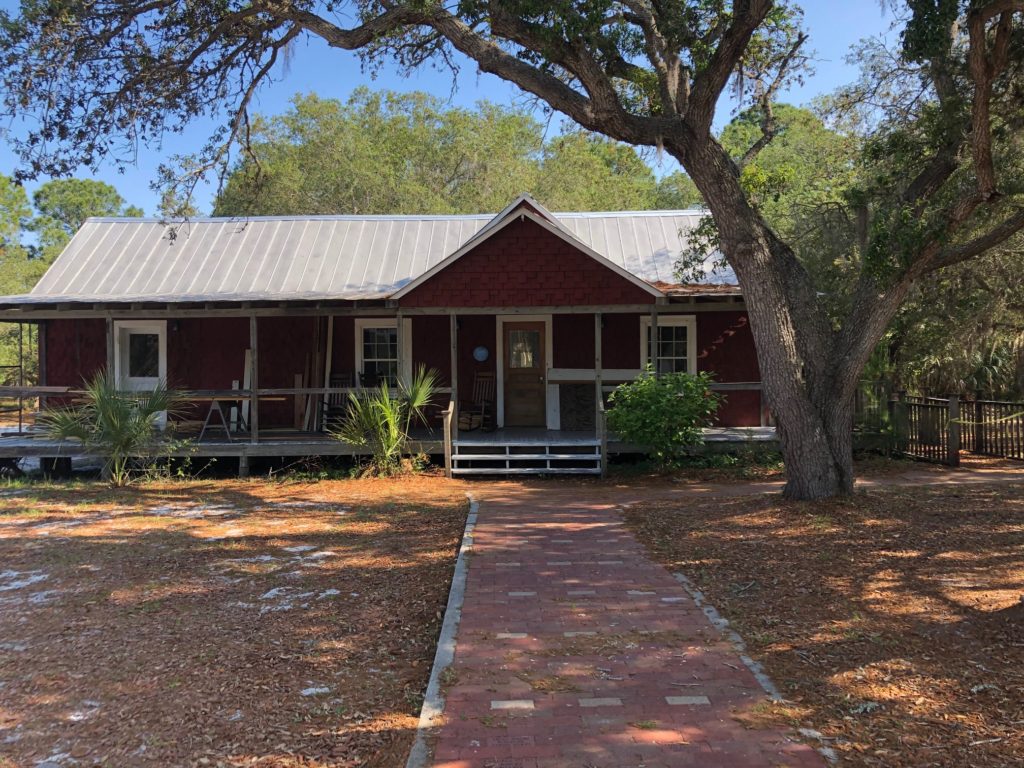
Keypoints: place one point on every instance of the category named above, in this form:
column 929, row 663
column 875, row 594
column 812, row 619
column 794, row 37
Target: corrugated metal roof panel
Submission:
column 319, row 257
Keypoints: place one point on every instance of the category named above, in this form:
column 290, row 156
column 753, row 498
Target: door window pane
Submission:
column 143, row 355
column 523, row 349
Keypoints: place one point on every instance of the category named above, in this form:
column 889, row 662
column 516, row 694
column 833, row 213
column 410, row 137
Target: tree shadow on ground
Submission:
column 892, row 620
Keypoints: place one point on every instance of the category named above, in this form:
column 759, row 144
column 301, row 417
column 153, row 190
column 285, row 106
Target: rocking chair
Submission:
column 478, row 413
column 336, row 403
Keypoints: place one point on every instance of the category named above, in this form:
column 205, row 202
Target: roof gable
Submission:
column 526, row 262
column 524, row 208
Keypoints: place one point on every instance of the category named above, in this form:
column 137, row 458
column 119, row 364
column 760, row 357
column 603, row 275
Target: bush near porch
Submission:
column 666, row 413
column 891, row 621
column 221, row 623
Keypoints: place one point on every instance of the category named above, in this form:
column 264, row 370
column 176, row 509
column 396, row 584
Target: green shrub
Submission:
column 665, row 413
column 120, row 426
column 380, row 420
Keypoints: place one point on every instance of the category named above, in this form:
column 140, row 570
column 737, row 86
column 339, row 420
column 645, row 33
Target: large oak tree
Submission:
column 99, row 73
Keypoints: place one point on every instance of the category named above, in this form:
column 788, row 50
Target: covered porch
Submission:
column 272, row 379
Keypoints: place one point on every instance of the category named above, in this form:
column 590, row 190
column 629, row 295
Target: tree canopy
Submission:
column 385, row 152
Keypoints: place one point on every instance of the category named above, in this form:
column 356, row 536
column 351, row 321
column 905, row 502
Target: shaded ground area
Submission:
column 220, row 623
column 892, row 622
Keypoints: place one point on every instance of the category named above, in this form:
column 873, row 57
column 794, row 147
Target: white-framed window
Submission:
column 377, row 343
column 677, row 342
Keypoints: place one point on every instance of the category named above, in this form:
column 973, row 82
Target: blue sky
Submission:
column 834, row 26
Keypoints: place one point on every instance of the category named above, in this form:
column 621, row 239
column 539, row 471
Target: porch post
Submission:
column 400, row 340
column 254, row 401
column 453, row 337
column 653, row 355
column 328, row 364
column 110, row 348
column 598, row 384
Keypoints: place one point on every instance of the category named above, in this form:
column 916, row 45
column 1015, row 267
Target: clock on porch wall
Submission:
column 480, row 354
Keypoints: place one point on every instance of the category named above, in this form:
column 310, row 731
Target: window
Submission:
column 380, row 354
column 143, row 355
column 524, row 349
column 377, row 356
column 676, row 338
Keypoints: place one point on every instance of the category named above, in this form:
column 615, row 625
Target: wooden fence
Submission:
column 927, row 428
column 994, row 428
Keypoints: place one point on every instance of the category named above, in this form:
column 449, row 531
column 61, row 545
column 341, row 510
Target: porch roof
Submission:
column 322, row 258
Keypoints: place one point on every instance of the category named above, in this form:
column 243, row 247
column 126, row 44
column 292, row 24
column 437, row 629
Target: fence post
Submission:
column 953, row 430
column 979, row 424
column 898, row 419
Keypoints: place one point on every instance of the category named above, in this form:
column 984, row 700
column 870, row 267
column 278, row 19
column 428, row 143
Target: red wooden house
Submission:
column 272, row 319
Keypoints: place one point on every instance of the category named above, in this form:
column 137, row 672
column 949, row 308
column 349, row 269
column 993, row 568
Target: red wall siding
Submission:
column 432, row 346
column 726, row 347
column 207, row 352
column 620, row 341
column 525, row 265
column 343, row 358
column 740, row 408
column 75, row 351
column 572, row 337
column 475, row 331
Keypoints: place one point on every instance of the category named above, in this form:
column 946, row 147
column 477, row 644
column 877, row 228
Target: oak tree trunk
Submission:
column 809, row 394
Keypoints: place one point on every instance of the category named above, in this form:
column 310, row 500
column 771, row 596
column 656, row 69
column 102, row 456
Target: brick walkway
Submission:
column 576, row 650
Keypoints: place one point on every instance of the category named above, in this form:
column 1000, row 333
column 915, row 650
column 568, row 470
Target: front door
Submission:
column 141, row 354
column 525, row 387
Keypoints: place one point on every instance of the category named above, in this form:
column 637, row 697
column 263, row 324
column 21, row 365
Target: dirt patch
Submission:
column 222, row 623
column 892, row 622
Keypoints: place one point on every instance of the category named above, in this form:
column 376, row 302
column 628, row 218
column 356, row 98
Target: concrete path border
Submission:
column 433, row 699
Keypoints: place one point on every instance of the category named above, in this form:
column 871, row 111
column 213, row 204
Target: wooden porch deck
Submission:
column 291, row 442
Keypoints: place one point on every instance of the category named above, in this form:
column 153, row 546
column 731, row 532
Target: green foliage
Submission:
column 63, row 205
column 380, row 420
column 800, row 183
column 60, row 208
column 384, row 152
column 667, row 413
column 120, row 426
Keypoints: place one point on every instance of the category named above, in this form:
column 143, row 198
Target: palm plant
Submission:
column 120, row 426
column 380, row 420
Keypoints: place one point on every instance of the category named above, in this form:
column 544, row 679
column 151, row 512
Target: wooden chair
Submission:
column 336, row 403
column 478, row 413
column 369, row 380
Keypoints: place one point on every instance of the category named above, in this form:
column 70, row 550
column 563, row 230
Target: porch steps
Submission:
column 526, row 457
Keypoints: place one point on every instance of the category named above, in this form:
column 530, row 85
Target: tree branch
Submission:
column 747, row 16
column 979, row 245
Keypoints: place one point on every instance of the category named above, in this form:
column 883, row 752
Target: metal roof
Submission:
column 294, row 258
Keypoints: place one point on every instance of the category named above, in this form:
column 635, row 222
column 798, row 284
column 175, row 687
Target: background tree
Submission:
column 385, row 152
column 31, row 237
column 63, row 205
column 939, row 183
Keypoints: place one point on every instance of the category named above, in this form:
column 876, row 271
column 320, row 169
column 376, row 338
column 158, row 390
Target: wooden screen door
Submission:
column 525, row 387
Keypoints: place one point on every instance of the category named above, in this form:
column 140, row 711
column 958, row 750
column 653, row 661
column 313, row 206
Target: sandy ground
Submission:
column 892, row 621
column 220, row 623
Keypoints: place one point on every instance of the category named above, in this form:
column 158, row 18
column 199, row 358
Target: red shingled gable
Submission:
column 525, row 265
